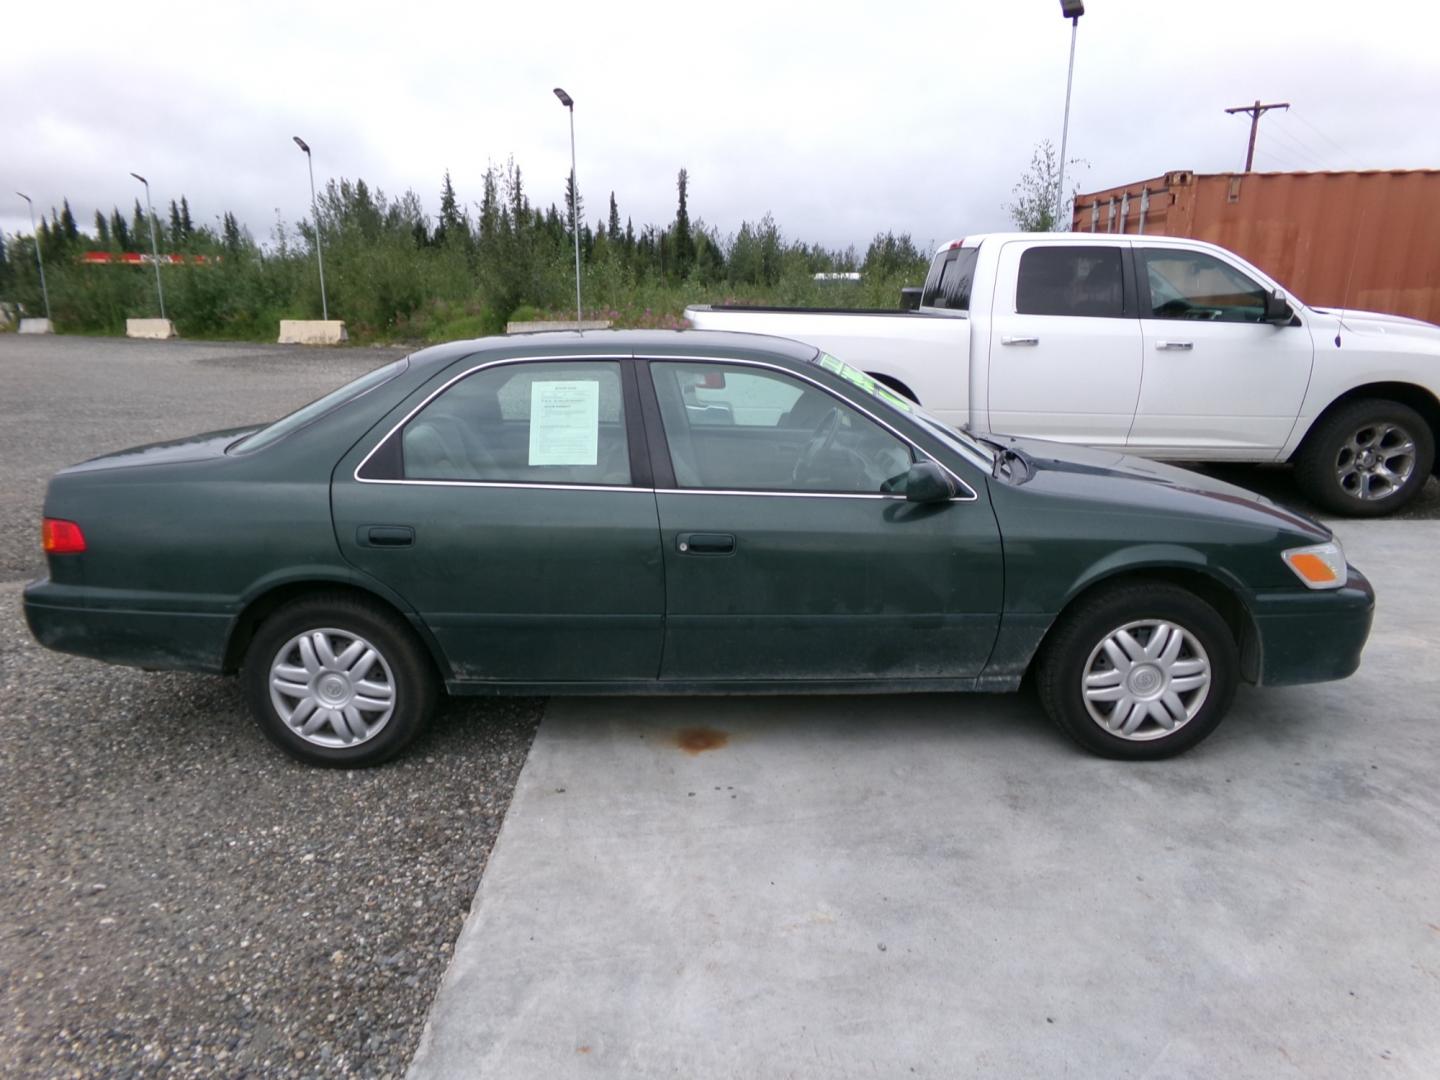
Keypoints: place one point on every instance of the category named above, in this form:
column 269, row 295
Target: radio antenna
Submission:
column 1349, row 276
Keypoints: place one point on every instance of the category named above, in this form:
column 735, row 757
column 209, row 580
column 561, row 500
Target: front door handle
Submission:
column 705, row 544
column 385, row 536
column 1184, row 346
column 1012, row 340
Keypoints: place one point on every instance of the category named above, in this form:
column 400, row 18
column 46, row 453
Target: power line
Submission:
column 1296, row 148
column 1255, row 112
column 1319, row 154
column 1322, row 134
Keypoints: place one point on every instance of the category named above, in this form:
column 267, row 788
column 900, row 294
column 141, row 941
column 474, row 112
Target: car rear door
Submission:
column 513, row 511
column 1064, row 349
column 784, row 559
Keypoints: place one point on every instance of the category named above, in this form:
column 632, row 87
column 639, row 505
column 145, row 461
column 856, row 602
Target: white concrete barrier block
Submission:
column 36, row 326
column 312, row 332
column 541, row 325
column 153, row 329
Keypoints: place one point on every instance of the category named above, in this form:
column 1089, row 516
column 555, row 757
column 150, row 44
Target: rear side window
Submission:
column 951, row 278
column 1071, row 281
column 556, row 423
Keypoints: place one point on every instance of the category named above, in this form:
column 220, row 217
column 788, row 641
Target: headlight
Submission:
column 1319, row 567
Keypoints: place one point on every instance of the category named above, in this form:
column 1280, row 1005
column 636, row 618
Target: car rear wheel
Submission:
column 1139, row 672
column 336, row 681
column 1367, row 459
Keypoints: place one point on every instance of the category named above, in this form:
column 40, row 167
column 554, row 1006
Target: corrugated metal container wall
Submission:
column 1367, row 240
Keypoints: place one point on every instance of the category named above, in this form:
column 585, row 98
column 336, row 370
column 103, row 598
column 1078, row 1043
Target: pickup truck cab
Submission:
column 1162, row 346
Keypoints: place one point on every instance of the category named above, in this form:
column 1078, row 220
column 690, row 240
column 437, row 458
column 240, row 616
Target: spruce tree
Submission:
column 185, row 223
column 139, row 229
column 119, row 230
column 574, row 205
column 613, row 230
column 102, row 230
column 682, row 247
column 176, row 230
column 230, row 230
column 68, row 228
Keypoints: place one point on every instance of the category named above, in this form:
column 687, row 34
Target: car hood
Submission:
column 204, row 447
column 1144, row 485
column 1376, row 324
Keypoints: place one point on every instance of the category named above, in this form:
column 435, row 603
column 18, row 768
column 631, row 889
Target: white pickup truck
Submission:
column 1166, row 347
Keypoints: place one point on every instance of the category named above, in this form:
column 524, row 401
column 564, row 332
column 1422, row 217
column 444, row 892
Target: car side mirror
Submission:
column 1277, row 311
column 926, row 482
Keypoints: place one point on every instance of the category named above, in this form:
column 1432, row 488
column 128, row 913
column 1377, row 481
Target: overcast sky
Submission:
column 840, row 119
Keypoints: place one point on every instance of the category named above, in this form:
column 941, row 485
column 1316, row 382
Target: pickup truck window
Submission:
column 948, row 284
column 1194, row 285
column 1085, row 281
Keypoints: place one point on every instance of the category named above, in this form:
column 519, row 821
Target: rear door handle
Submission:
column 1010, row 340
column 1183, row 346
column 705, row 544
column 385, row 536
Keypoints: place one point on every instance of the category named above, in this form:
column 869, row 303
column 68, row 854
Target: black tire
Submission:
column 403, row 669
column 1328, row 449
column 1078, row 636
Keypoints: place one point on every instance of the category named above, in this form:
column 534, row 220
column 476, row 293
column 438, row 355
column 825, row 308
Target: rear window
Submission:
column 950, row 279
column 1071, row 281
column 319, row 407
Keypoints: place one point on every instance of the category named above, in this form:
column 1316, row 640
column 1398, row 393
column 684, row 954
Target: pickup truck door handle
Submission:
column 1184, row 346
column 385, row 536
column 705, row 544
column 1019, row 340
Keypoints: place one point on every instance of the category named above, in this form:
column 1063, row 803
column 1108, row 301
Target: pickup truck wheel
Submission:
column 338, row 682
column 1367, row 459
column 1139, row 672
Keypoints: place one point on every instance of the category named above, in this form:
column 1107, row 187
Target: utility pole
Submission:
column 1255, row 111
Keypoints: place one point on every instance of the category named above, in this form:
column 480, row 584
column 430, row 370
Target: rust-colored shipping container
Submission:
column 1366, row 240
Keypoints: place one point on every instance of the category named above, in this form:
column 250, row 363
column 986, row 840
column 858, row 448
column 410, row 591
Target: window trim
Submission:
column 624, row 360
column 660, row 446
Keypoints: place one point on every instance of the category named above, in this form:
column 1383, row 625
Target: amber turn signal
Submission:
column 1319, row 567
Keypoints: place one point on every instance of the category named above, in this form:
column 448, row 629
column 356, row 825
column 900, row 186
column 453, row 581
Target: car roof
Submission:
column 656, row 343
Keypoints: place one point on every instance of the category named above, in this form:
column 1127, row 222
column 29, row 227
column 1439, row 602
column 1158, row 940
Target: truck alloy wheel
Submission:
column 1367, row 459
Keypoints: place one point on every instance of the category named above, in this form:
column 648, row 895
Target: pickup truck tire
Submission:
column 1139, row 672
column 1366, row 459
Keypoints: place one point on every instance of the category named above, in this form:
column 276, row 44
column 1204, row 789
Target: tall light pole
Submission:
column 1072, row 10
column 315, row 212
column 154, row 247
column 39, row 261
column 569, row 103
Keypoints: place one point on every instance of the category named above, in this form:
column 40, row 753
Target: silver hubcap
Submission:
column 1375, row 462
column 332, row 688
column 1146, row 680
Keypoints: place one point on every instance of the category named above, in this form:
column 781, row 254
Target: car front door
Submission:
column 1064, row 350
column 1219, row 379
column 787, row 558
column 508, row 512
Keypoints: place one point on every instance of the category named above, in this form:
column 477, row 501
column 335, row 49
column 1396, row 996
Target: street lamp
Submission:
column 154, row 247
column 40, row 262
column 1072, row 10
column 569, row 103
column 315, row 212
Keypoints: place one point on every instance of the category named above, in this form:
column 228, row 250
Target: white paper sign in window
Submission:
column 564, row 422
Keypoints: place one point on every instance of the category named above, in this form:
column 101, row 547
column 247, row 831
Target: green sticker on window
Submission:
column 865, row 382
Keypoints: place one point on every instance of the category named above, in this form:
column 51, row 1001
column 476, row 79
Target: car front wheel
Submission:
column 336, row 681
column 1367, row 459
column 1139, row 672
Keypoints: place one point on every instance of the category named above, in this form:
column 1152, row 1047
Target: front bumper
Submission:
column 1313, row 636
column 66, row 619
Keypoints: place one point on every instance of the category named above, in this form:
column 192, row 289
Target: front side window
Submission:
column 1076, row 280
column 739, row 428
column 558, row 423
column 1194, row 285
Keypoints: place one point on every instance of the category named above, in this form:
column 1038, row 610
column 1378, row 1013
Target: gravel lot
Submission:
column 178, row 898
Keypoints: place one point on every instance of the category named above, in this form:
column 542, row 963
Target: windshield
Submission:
column 878, row 390
column 319, row 407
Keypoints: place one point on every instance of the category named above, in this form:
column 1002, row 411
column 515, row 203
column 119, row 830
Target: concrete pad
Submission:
column 542, row 325
column 312, row 332
column 942, row 886
column 154, row 329
column 36, row 326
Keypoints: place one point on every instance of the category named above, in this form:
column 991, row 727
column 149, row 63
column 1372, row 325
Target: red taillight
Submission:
column 59, row 537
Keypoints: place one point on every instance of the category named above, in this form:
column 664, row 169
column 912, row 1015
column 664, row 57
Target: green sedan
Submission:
column 660, row 513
